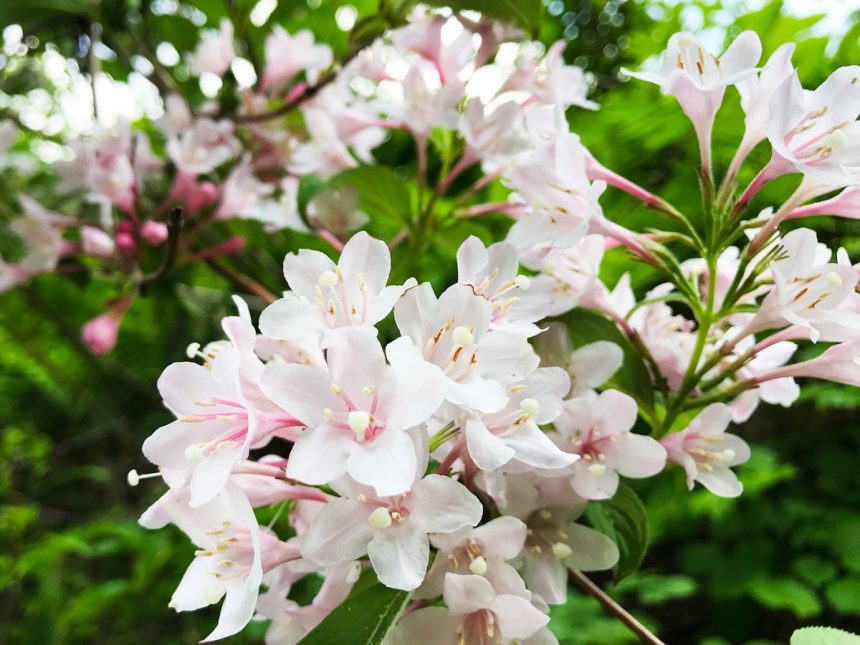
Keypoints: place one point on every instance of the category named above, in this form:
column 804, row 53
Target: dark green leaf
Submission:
column 363, row 619
column 622, row 518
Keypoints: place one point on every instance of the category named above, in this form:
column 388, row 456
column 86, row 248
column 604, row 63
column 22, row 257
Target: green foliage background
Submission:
column 74, row 565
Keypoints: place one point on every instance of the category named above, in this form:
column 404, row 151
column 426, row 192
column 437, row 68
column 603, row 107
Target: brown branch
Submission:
column 241, row 280
column 174, row 231
column 613, row 608
column 308, row 94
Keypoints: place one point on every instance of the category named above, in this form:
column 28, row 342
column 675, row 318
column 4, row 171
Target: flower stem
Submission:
column 614, row 609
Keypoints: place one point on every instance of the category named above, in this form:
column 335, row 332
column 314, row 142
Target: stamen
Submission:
column 193, row 350
column 598, row 470
column 358, row 421
column 530, row 406
column 522, row 282
column 561, row 550
column 462, row 336
column 134, row 477
column 380, row 518
column 194, row 453
column 328, row 279
column 478, row 566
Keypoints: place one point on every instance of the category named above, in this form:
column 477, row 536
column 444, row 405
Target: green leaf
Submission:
column 364, row 619
column 823, row 636
column 623, row 519
column 526, row 13
column 383, row 195
column 785, row 593
column 633, row 378
column 844, row 595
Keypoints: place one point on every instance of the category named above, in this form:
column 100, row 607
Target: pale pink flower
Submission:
column 493, row 138
column 326, row 297
column 242, row 193
column 513, row 433
column 562, row 200
column 282, row 211
column 325, row 153
column 588, row 367
column 357, row 413
column 425, row 108
column 214, row 52
column 782, row 391
column 699, row 79
column 41, row 231
column 288, row 54
column 423, row 36
column 205, row 146
column 392, row 530
column 707, row 452
column 493, row 272
column 550, row 81
column 814, row 132
column 597, row 428
column 845, row 204
column 221, row 413
column 233, row 554
column 112, row 178
column 807, row 289
column 568, row 274
column 485, row 551
column 290, row 621
column 453, row 334
column 473, row 613
column 839, row 363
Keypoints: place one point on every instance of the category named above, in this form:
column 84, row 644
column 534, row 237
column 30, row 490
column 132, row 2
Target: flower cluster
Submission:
column 447, row 441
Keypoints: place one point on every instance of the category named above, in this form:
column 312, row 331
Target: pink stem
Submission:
column 330, row 237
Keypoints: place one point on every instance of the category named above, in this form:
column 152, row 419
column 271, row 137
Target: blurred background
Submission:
column 74, row 565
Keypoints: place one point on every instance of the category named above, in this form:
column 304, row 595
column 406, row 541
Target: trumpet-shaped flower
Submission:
column 357, row 413
column 597, row 428
column 707, row 452
column 326, row 296
column 453, row 334
column 392, row 530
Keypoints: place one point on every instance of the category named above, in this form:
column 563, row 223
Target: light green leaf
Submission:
column 622, row 518
column 785, row 593
column 364, row 619
column 383, row 195
column 823, row 636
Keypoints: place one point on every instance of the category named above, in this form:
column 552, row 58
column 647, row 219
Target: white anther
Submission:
column 530, row 406
column 362, row 498
column 522, row 282
column 214, row 594
column 561, row 550
column 833, row 278
column 194, row 453
column 727, row 455
column 358, row 420
column 192, row 350
column 686, row 41
column 133, row 478
column 462, row 336
column 380, row 518
column 478, row 566
column 328, row 279
column 598, row 470
column 334, row 389
column 368, row 390
column 354, row 572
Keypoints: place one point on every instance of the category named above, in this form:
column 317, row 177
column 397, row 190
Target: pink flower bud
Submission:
column 101, row 332
column 96, row 242
column 154, row 232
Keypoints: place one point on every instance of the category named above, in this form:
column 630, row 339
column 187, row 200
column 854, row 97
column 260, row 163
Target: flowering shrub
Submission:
column 456, row 434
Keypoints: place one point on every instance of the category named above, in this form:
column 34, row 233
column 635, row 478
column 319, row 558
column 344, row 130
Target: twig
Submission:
column 240, row 279
column 614, row 608
column 174, row 230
